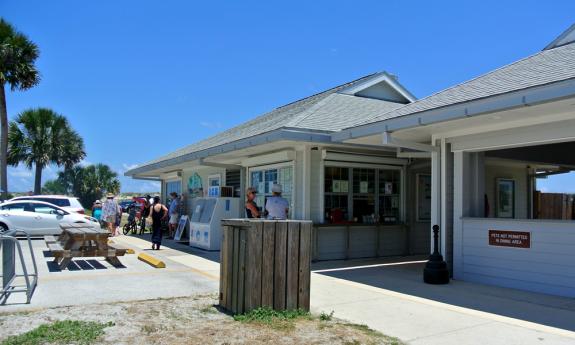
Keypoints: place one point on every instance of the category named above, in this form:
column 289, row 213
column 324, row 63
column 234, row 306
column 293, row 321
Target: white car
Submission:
column 68, row 203
column 38, row 217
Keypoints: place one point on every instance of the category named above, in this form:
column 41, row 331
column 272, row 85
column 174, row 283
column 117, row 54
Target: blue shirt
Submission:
column 174, row 207
column 276, row 207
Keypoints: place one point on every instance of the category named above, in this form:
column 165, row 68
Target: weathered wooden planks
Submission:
column 265, row 263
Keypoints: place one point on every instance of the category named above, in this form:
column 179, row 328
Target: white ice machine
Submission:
column 206, row 215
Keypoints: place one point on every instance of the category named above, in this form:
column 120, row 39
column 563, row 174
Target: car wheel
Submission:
column 3, row 228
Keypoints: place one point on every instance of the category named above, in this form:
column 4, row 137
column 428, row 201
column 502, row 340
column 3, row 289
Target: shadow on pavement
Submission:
column 182, row 247
column 405, row 276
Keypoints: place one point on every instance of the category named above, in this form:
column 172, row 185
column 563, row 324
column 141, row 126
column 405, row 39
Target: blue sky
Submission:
column 138, row 79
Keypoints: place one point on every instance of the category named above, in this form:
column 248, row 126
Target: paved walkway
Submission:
column 392, row 298
column 386, row 295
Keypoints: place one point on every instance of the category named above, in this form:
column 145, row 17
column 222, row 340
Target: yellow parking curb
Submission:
column 152, row 261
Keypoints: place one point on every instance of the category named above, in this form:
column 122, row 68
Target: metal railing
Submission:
column 9, row 245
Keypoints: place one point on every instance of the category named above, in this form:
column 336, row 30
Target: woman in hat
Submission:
column 158, row 212
column 277, row 207
column 252, row 210
column 109, row 213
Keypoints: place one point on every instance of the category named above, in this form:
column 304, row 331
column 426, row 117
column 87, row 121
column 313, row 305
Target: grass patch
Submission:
column 325, row 316
column 60, row 332
column 279, row 320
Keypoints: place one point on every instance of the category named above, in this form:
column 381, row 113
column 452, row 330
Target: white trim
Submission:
column 520, row 136
column 360, row 165
column 270, row 158
column 389, row 140
column 359, row 158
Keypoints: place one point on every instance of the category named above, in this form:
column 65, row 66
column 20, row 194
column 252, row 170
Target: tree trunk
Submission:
column 38, row 180
column 3, row 143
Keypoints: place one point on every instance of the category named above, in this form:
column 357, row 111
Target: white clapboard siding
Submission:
column 547, row 267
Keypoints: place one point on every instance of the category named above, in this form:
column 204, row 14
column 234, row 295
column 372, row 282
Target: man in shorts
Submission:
column 174, row 213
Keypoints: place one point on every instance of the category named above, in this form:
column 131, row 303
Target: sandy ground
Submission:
column 189, row 320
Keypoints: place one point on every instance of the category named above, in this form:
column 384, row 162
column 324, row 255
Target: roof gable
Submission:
column 567, row 37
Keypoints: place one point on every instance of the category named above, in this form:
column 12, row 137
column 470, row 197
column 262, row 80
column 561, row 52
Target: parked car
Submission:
column 125, row 204
column 68, row 203
column 38, row 217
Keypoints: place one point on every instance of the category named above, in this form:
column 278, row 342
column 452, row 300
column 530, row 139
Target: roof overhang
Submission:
column 507, row 101
column 291, row 134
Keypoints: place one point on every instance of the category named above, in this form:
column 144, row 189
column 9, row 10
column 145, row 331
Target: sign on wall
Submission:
column 514, row 239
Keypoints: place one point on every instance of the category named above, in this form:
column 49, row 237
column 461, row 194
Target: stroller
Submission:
column 132, row 224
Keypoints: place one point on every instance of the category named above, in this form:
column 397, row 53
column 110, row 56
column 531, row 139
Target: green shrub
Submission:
column 60, row 332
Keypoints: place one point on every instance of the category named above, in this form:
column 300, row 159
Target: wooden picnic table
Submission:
column 82, row 240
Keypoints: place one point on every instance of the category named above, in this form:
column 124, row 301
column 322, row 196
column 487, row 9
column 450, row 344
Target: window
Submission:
column 173, row 186
column 21, row 206
column 214, row 180
column 336, row 188
column 45, row 209
column 263, row 180
column 362, row 195
column 389, row 185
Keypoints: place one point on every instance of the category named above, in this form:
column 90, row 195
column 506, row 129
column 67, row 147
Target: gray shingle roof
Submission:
column 325, row 111
column 542, row 68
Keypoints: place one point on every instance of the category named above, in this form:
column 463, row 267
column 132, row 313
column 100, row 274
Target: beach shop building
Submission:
column 374, row 168
column 357, row 195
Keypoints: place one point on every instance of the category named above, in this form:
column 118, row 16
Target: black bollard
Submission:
column 436, row 271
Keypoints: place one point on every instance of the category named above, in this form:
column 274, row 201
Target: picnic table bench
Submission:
column 82, row 240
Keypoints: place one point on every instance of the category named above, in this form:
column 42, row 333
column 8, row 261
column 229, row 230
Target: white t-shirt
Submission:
column 276, row 207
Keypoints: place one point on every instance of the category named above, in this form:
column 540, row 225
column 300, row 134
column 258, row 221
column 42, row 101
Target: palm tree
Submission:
column 17, row 57
column 89, row 183
column 39, row 137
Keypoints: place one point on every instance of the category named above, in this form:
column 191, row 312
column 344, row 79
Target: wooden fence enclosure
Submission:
column 265, row 263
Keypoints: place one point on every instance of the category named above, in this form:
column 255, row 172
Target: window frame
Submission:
column 377, row 168
column 278, row 166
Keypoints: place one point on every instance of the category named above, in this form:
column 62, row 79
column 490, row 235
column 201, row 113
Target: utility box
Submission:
column 265, row 263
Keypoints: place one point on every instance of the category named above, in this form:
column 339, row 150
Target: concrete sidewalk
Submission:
column 94, row 280
column 392, row 298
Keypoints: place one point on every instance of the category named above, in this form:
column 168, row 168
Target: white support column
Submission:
column 460, row 184
column 306, row 183
column 443, row 201
column 435, row 191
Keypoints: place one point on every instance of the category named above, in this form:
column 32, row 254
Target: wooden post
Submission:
column 265, row 263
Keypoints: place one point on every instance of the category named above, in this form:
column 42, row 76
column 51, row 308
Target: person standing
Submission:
column 118, row 219
column 277, row 207
column 97, row 210
column 252, row 210
column 109, row 212
column 145, row 213
column 174, row 213
column 158, row 213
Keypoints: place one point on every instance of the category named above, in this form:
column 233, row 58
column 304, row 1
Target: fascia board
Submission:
column 526, row 97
